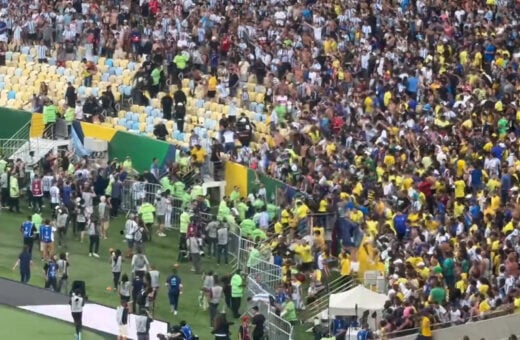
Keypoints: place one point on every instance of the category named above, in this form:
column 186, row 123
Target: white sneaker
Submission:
column 161, row 234
column 95, row 255
column 174, row 312
column 90, row 254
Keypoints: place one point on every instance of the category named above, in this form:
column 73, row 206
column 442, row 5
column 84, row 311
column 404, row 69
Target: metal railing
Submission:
column 276, row 327
column 407, row 333
column 9, row 146
column 338, row 285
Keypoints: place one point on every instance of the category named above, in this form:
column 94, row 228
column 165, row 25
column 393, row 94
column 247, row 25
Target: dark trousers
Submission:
column 180, row 124
column 25, row 276
column 5, row 197
column 174, row 300
column 93, row 247
column 213, row 310
column 115, row 202
column 222, row 251
column 29, row 242
column 235, row 306
column 212, row 246
column 116, row 277
column 51, row 283
column 77, row 316
column 37, row 203
column 14, row 204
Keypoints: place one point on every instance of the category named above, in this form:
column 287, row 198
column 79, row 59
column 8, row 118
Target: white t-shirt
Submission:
column 55, row 195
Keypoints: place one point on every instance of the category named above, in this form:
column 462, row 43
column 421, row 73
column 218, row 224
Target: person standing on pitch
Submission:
column 142, row 324
column 237, row 290
column 174, row 285
column 76, row 307
column 29, row 232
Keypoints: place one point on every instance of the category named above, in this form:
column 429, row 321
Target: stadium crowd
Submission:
column 401, row 117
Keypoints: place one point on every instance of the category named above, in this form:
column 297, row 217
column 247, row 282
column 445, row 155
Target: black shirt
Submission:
column 258, row 321
column 180, row 97
column 25, row 261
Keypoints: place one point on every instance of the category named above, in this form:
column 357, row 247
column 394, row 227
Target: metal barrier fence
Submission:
column 277, row 328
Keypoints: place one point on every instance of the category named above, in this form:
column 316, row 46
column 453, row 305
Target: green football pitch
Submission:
column 20, row 324
column 162, row 253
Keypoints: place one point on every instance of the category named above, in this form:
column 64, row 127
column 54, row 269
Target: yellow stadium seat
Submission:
column 101, row 61
column 134, row 108
column 156, row 103
column 200, row 121
column 117, row 96
column 260, row 97
column 115, row 120
column 142, row 118
column 16, row 56
column 207, row 105
column 123, row 63
column 215, row 115
column 142, row 127
column 185, row 82
column 251, row 87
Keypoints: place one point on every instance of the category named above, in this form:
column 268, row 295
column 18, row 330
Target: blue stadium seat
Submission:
column 71, row 79
column 129, row 125
column 119, row 71
column 149, row 128
column 29, row 59
column 95, row 92
column 8, row 56
column 60, row 71
column 11, row 95
column 129, row 115
column 109, row 62
column 157, row 113
column 121, row 122
column 135, row 126
column 25, row 50
column 81, row 90
column 2, row 85
column 131, row 66
column 149, row 120
column 128, row 91
column 252, row 106
column 200, row 103
column 105, row 77
column 148, row 110
column 52, row 61
column 260, row 108
column 112, row 71
column 18, row 72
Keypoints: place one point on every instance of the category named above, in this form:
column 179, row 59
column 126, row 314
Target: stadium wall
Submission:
column 121, row 144
column 12, row 121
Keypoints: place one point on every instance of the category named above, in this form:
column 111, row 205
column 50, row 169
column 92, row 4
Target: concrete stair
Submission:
column 40, row 147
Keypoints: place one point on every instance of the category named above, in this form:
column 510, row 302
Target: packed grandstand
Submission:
column 391, row 129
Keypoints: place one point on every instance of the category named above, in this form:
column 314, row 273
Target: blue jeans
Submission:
column 174, row 300
column 25, row 276
column 222, row 251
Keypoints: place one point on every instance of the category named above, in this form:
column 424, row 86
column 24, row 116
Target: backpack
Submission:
column 140, row 262
column 138, row 235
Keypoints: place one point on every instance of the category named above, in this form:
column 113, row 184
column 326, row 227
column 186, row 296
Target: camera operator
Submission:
column 76, row 307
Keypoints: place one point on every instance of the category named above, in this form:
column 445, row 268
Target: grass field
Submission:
column 19, row 324
column 162, row 253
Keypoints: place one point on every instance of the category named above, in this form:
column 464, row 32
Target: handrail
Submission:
column 11, row 145
column 321, row 303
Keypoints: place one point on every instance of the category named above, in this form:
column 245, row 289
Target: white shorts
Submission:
column 123, row 330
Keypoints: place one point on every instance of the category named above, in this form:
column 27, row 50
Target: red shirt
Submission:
column 36, row 188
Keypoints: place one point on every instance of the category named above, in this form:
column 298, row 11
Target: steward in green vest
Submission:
column 147, row 214
column 49, row 113
column 69, row 115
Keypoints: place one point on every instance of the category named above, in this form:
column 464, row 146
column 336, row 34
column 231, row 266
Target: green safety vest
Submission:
column 14, row 190
column 69, row 115
column 247, row 226
column 49, row 114
column 146, row 211
column 37, row 220
column 3, row 164
column 236, row 286
column 184, row 222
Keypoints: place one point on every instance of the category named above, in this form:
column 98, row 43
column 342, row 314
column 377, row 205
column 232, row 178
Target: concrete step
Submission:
column 40, row 147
